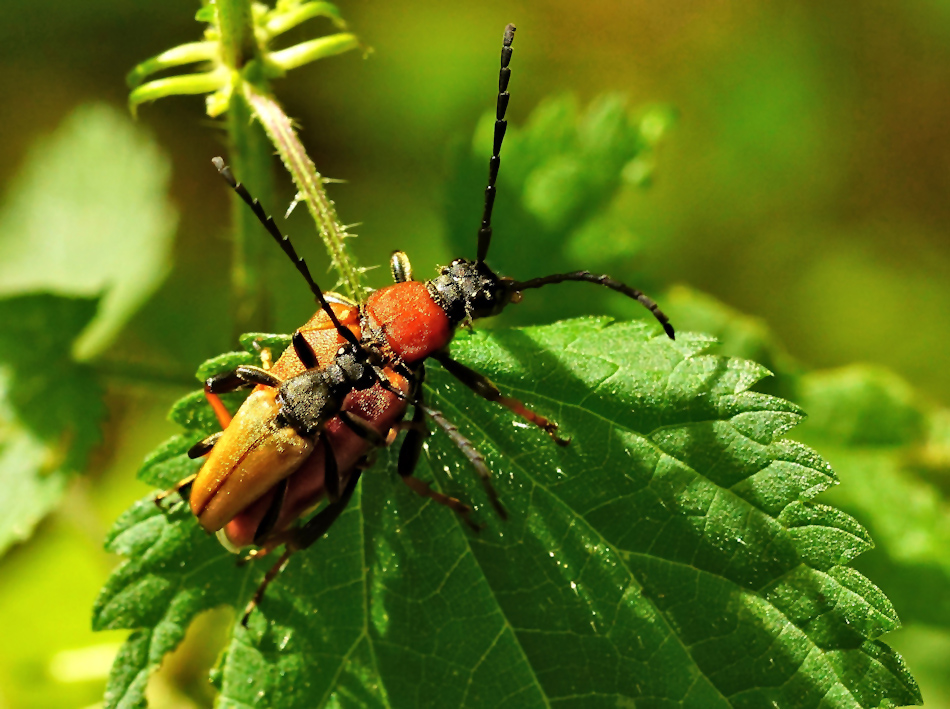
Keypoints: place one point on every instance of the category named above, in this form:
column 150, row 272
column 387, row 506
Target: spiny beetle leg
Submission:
column 471, row 453
column 302, row 538
column 482, row 386
column 424, row 489
column 409, row 454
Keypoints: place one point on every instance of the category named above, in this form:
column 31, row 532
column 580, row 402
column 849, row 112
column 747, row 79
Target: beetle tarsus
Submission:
column 182, row 488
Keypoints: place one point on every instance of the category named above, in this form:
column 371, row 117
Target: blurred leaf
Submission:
column 50, row 407
column 562, row 181
column 670, row 554
column 890, row 449
column 739, row 335
column 88, row 216
column 862, row 406
column 878, row 434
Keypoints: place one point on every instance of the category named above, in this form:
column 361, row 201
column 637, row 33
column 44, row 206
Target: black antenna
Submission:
column 288, row 248
column 501, row 125
column 606, row 281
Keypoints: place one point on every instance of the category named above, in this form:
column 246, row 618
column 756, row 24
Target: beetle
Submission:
column 303, row 433
column 326, row 385
column 345, row 384
column 412, row 321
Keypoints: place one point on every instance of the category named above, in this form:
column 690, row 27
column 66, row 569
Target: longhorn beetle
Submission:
column 326, row 391
column 337, row 376
column 410, row 321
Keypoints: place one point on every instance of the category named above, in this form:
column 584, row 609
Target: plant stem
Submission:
column 250, row 158
column 309, row 183
column 236, row 24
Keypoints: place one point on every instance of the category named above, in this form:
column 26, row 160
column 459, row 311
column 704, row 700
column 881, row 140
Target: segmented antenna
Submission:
column 607, row 282
column 501, row 125
column 287, row 247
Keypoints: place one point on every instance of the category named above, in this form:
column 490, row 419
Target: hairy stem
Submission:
column 309, row 184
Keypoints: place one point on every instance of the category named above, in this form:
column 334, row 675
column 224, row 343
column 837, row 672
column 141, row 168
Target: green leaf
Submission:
column 91, row 199
column 670, row 555
column 863, row 407
column 889, row 448
column 50, row 407
column 739, row 335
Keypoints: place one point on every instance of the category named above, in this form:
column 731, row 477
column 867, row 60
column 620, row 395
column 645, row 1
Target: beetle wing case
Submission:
column 306, row 486
column 252, row 456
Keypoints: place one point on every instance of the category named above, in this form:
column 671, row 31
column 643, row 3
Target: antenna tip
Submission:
column 509, row 35
column 218, row 162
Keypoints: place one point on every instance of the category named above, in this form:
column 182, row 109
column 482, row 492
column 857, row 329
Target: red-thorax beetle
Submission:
column 411, row 321
column 345, row 383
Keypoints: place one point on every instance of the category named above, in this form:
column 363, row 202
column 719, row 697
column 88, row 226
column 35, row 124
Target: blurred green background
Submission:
column 805, row 183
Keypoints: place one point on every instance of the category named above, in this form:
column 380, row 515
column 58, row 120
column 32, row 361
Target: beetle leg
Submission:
column 416, row 433
column 409, row 454
column 220, row 410
column 204, row 446
column 362, row 428
column 408, row 457
column 331, row 472
column 482, row 386
column 243, row 376
column 321, row 522
column 469, row 451
column 273, row 513
column 302, row 538
column 304, row 351
column 183, row 487
column 271, row 574
column 424, row 489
